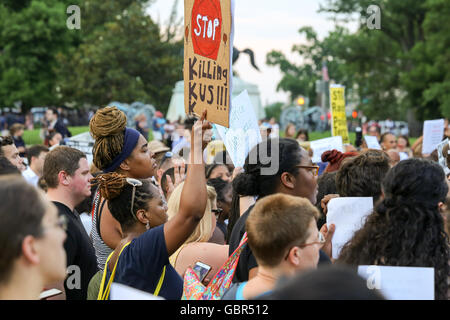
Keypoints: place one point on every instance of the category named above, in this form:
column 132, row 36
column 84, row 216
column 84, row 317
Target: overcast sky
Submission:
column 264, row 25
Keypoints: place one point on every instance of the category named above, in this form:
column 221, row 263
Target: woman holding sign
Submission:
column 406, row 227
column 272, row 166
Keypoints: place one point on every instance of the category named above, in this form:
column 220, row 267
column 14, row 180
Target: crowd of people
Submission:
column 143, row 213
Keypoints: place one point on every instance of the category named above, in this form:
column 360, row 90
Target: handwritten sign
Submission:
column 243, row 133
column 372, row 142
column 338, row 117
column 433, row 132
column 400, row 283
column 322, row 145
column 348, row 214
column 207, row 58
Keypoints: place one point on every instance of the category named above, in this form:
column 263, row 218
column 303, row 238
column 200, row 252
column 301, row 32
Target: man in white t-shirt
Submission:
column 36, row 157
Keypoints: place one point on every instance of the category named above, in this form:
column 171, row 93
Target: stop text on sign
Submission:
column 206, row 22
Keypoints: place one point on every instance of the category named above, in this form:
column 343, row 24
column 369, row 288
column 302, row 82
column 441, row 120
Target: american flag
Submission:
column 325, row 76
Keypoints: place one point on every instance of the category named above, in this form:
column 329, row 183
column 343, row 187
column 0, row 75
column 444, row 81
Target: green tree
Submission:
column 437, row 68
column 395, row 65
column 300, row 79
column 32, row 33
column 274, row 110
column 124, row 59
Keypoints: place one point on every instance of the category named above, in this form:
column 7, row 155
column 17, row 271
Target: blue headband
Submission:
column 129, row 143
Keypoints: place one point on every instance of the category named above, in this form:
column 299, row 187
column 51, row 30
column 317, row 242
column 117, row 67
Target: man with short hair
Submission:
column 36, row 157
column 66, row 172
column 10, row 152
column 56, row 124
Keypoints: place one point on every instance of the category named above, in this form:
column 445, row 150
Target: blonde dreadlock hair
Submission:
column 107, row 127
column 115, row 188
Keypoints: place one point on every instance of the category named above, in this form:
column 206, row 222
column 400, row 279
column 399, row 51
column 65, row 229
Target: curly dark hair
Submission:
column 406, row 227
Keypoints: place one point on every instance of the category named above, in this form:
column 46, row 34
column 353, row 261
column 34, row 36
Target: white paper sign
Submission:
column 348, row 214
column 372, row 142
column 400, row 283
column 322, row 145
column 433, row 131
column 243, row 133
column 123, row 292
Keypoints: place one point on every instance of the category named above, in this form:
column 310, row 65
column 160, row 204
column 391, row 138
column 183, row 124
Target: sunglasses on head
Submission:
column 135, row 183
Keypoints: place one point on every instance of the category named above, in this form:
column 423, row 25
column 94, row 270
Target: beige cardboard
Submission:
column 207, row 81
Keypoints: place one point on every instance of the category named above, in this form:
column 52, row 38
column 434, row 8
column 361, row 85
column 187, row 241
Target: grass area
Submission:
column 31, row 137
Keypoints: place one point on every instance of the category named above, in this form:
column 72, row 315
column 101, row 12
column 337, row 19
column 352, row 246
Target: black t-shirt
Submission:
column 247, row 260
column 81, row 260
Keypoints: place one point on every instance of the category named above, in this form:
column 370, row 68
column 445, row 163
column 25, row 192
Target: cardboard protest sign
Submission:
column 433, row 132
column 243, row 133
column 338, row 117
column 208, row 45
column 400, row 283
column 326, row 144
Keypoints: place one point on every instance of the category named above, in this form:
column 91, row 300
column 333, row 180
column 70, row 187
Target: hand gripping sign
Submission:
column 207, row 52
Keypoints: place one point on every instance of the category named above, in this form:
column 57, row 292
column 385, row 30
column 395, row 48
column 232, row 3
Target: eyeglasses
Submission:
column 217, row 211
column 321, row 241
column 314, row 169
column 135, row 183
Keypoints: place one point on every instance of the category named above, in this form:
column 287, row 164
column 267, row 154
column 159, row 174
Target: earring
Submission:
column 147, row 225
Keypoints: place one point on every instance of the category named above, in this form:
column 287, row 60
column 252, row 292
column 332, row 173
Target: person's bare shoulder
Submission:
column 208, row 253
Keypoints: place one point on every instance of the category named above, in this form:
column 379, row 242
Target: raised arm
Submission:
column 193, row 196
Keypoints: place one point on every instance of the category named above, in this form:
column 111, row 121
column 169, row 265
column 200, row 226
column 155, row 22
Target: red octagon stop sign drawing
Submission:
column 206, row 27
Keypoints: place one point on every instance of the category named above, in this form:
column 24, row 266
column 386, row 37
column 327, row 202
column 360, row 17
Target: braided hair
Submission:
column 115, row 188
column 107, row 127
column 406, row 227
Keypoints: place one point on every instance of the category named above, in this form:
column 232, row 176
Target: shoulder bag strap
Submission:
column 105, row 295
column 160, row 282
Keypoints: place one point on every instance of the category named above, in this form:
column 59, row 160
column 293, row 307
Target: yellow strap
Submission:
column 160, row 282
column 104, row 295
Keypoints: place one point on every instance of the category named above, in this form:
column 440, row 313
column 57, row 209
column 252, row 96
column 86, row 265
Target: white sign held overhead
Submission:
column 322, row 145
column 433, row 132
column 243, row 133
column 348, row 214
column 372, row 142
column 400, row 283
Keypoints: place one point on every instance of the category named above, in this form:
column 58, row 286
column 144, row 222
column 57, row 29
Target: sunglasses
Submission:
column 314, row 169
column 135, row 183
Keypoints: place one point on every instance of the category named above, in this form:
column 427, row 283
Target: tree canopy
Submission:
column 118, row 54
column 402, row 66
